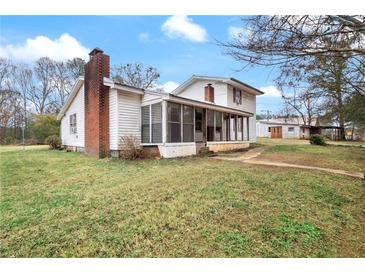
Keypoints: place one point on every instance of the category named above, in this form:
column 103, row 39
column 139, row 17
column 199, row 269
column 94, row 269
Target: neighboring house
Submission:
column 215, row 113
column 293, row 127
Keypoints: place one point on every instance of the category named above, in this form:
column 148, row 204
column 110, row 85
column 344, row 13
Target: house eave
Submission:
column 228, row 80
column 182, row 100
column 76, row 87
column 119, row 86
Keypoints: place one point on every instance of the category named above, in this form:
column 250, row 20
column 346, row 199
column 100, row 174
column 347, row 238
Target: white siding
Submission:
column 77, row 106
column 150, row 98
column 113, row 119
column 196, row 92
column 129, row 114
column 262, row 130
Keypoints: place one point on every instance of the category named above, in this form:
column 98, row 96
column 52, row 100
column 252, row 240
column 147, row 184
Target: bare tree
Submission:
column 6, row 71
column 136, row 75
column 277, row 40
column 61, row 82
column 41, row 96
column 304, row 102
column 25, row 86
column 76, row 68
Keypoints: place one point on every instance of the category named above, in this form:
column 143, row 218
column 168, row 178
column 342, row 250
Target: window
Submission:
column 173, row 122
column 156, row 120
column 237, row 98
column 290, row 129
column 188, row 124
column 146, row 124
column 210, row 125
column 73, row 124
column 218, row 126
column 269, row 130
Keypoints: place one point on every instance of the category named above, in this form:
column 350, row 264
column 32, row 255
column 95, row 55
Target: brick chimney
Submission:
column 209, row 93
column 97, row 104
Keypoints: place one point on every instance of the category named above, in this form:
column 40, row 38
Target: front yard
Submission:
column 58, row 204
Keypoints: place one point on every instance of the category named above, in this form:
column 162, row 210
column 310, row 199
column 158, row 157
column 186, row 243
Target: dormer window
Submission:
column 209, row 93
column 237, row 96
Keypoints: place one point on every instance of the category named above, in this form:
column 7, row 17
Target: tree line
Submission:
column 32, row 95
column 320, row 62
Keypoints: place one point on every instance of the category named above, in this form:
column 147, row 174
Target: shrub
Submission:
column 8, row 140
column 53, row 141
column 130, row 148
column 43, row 125
column 317, row 140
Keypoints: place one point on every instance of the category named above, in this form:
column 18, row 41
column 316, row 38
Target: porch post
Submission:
column 248, row 128
column 164, row 121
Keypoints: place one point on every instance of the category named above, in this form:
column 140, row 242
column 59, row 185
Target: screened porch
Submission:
column 172, row 122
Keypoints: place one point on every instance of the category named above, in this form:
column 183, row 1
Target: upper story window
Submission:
column 237, row 96
column 290, row 129
column 73, row 124
column 209, row 93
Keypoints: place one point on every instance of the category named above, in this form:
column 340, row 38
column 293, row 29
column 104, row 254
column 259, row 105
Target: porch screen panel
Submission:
column 218, row 126
column 173, row 123
column 239, row 129
column 156, row 120
column 245, row 129
column 210, row 125
column 225, row 127
column 145, row 124
column 233, row 127
column 188, row 124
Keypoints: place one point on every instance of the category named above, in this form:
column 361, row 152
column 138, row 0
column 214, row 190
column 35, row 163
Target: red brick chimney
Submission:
column 209, row 93
column 97, row 104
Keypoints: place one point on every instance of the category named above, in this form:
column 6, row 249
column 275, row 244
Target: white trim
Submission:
column 231, row 81
column 190, row 102
column 110, row 83
column 227, row 142
column 76, row 87
column 151, row 144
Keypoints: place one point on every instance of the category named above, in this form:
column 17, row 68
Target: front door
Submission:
column 276, row 132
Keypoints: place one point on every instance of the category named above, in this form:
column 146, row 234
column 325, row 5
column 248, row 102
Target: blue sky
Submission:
column 178, row 46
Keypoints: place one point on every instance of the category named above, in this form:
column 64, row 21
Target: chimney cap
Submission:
column 95, row 51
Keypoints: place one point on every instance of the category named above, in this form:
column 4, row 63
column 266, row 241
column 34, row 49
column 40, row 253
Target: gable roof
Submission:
column 228, row 80
column 76, row 87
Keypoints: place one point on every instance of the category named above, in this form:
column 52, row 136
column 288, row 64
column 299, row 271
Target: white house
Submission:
column 282, row 128
column 211, row 112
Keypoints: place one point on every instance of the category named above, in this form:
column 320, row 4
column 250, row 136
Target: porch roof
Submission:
column 182, row 100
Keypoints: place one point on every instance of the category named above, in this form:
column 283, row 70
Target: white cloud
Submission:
column 168, row 86
column 271, row 91
column 62, row 48
column 144, row 37
column 181, row 26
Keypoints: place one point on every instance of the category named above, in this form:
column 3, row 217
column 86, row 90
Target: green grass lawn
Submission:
column 59, row 204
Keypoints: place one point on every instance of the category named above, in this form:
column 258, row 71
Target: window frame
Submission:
column 168, row 122
column 73, row 123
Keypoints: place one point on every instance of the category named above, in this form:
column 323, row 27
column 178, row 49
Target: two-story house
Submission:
column 214, row 112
